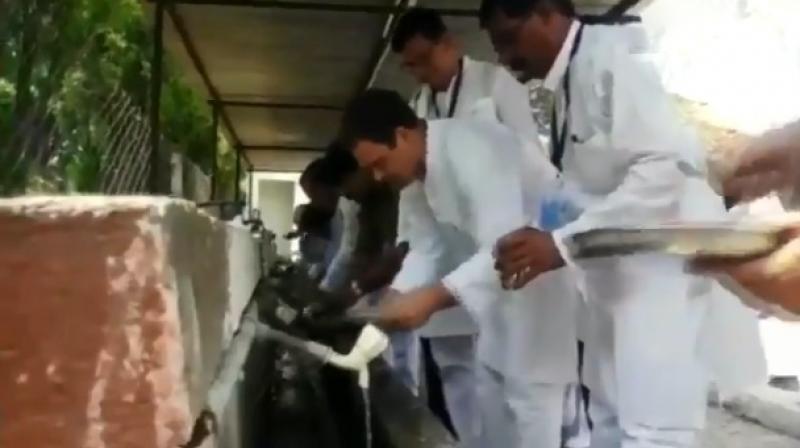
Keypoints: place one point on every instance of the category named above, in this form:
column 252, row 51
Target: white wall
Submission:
column 276, row 202
column 276, row 195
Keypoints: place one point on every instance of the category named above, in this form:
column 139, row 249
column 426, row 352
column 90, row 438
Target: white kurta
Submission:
column 478, row 199
column 629, row 160
column 433, row 252
column 487, row 91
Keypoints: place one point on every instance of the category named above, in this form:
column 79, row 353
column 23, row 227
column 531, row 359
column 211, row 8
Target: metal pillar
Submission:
column 250, row 182
column 197, row 61
column 382, row 46
column 237, row 192
column 214, row 149
column 156, row 75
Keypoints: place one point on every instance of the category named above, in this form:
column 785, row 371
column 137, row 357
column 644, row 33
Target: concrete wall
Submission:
column 188, row 181
column 114, row 315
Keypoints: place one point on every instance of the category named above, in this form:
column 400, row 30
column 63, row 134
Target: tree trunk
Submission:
column 28, row 55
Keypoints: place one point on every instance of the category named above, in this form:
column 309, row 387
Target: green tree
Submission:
column 60, row 63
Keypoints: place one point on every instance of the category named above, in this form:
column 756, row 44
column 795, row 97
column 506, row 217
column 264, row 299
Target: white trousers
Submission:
column 608, row 432
column 455, row 358
column 575, row 432
column 648, row 386
column 517, row 413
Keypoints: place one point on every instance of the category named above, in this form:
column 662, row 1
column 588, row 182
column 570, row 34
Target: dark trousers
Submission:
column 584, row 390
column 433, row 384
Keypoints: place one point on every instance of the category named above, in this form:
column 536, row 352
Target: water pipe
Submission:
column 370, row 344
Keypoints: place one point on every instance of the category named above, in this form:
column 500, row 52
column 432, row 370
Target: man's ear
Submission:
column 450, row 41
column 401, row 135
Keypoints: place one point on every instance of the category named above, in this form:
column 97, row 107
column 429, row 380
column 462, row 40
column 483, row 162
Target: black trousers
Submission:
column 584, row 390
column 433, row 383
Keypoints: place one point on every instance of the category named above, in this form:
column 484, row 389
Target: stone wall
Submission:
column 113, row 315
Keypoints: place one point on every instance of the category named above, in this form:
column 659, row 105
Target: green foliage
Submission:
column 187, row 121
column 60, row 62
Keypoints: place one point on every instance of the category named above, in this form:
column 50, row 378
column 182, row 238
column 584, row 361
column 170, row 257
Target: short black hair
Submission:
column 374, row 115
column 418, row 22
column 312, row 171
column 338, row 163
column 521, row 8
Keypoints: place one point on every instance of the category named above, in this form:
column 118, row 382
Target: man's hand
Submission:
column 774, row 278
column 378, row 274
column 770, row 163
column 524, row 254
column 412, row 310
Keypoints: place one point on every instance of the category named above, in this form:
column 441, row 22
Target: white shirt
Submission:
column 469, row 203
column 489, row 92
column 630, row 160
column 627, row 153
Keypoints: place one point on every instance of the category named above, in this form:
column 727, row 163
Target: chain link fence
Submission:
column 109, row 153
column 125, row 165
column 75, row 114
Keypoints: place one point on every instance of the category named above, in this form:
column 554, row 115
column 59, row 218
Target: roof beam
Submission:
column 319, row 6
column 281, row 148
column 381, row 47
column 197, row 61
column 277, row 105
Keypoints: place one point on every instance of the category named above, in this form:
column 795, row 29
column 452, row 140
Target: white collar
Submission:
column 559, row 68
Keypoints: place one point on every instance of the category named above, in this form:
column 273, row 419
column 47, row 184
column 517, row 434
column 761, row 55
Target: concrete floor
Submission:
column 727, row 431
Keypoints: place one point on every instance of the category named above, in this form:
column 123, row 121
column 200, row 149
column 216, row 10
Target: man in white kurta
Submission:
column 627, row 160
column 453, row 85
column 471, row 201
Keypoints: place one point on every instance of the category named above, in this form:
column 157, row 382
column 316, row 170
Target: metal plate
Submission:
column 683, row 240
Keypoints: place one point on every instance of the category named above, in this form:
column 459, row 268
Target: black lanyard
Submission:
column 559, row 141
column 454, row 97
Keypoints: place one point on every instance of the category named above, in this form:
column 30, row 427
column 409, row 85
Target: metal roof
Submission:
column 280, row 72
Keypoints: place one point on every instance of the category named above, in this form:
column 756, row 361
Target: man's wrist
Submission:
column 439, row 298
column 558, row 260
column 562, row 248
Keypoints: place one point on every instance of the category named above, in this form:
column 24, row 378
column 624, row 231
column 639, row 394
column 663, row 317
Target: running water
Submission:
column 367, row 416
